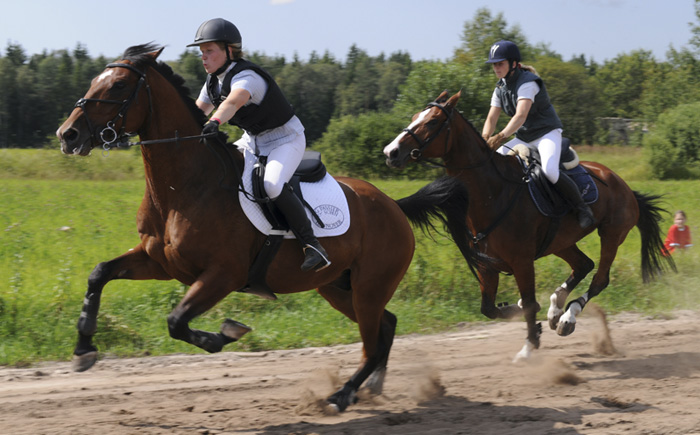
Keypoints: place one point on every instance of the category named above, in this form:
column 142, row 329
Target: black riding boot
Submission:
column 293, row 211
column 567, row 187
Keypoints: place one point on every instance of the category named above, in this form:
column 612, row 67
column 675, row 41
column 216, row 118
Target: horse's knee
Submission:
column 98, row 276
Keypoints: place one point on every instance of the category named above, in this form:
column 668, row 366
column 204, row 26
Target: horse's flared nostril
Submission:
column 68, row 135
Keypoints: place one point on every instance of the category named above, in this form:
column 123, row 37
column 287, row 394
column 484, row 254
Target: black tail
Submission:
column 652, row 243
column 447, row 200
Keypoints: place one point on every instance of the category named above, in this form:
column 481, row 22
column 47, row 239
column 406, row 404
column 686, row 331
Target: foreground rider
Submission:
column 243, row 94
column 521, row 94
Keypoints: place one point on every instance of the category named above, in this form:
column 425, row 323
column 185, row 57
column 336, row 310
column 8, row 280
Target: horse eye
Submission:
column 118, row 86
column 432, row 123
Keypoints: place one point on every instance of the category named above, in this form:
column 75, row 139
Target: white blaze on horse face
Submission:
column 395, row 143
column 105, row 74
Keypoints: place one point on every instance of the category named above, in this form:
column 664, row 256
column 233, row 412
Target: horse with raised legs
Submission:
column 193, row 229
column 506, row 225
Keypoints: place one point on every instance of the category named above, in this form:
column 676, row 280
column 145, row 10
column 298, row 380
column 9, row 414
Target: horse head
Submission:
column 428, row 134
column 100, row 117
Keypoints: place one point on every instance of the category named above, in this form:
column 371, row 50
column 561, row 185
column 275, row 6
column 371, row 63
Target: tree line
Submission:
column 352, row 108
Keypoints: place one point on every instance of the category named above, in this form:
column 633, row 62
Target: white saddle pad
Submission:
column 325, row 197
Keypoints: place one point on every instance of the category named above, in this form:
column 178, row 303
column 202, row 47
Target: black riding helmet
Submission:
column 217, row 30
column 504, row 50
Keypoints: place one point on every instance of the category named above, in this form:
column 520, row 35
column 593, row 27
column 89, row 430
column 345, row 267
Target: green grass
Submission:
column 62, row 215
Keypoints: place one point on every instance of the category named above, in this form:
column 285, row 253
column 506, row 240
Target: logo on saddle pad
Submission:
column 331, row 216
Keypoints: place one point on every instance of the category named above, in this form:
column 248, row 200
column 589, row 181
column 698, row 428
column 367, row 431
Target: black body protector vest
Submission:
column 273, row 111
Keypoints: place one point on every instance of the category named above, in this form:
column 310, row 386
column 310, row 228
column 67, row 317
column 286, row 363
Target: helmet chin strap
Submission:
column 226, row 64
column 511, row 68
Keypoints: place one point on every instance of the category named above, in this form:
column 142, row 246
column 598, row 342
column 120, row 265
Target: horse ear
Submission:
column 442, row 97
column 155, row 54
column 452, row 102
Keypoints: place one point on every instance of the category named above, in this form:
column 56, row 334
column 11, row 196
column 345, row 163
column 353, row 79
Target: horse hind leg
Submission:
column 377, row 339
column 601, row 279
column 375, row 382
column 581, row 266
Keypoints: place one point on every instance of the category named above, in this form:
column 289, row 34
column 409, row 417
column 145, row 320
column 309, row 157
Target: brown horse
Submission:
column 506, row 225
column 193, row 229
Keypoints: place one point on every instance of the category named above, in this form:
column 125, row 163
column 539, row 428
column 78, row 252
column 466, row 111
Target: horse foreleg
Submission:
column 206, row 292
column 525, row 278
column 136, row 265
column 580, row 265
column 489, row 289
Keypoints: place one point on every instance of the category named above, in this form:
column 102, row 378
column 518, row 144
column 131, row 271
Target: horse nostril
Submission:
column 394, row 153
column 68, row 135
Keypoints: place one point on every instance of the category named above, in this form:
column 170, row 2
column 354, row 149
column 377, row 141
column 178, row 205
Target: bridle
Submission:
column 112, row 139
column 417, row 153
column 109, row 136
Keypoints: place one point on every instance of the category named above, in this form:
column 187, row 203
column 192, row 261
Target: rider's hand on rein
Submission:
column 496, row 140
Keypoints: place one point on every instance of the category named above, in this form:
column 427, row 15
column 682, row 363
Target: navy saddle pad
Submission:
column 549, row 202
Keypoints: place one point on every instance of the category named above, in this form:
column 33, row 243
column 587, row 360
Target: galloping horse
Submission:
column 194, row 230
column 506, row 225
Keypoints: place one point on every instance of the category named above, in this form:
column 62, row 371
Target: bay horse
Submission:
column 506, row 226
column 193, row 229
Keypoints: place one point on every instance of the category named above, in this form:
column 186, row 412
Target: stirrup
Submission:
column 321, row 260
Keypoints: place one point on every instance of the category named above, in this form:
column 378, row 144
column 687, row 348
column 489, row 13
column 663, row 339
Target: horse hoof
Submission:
column 554, row 323
column 565, row 328
column 375, row 383
column 84, row 361
column 234, row 330
column 342, row 398
column 510, row 311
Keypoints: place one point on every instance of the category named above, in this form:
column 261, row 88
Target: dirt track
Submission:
column 461, row 382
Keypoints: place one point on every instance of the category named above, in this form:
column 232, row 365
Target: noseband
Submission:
column 417, row 153
column 109, row 134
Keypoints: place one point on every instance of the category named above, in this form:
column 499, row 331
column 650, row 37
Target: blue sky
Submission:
column 427, row 29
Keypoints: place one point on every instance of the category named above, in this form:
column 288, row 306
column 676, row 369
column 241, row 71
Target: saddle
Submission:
column 311, row 170
column 548, row 200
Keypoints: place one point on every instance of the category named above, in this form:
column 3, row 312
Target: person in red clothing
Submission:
column 679, row 234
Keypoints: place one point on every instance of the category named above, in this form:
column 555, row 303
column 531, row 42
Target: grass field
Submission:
column 62, row 215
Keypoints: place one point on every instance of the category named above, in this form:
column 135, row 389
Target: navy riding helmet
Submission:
column 504, row 50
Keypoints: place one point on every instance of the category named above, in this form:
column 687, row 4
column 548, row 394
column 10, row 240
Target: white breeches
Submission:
column 549, row 147
column 281, row 164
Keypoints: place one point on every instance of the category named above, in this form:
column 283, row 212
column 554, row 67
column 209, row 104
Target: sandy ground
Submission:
column 643, row 377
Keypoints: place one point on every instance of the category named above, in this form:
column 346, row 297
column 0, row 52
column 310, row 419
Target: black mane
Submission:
column 139, row 56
